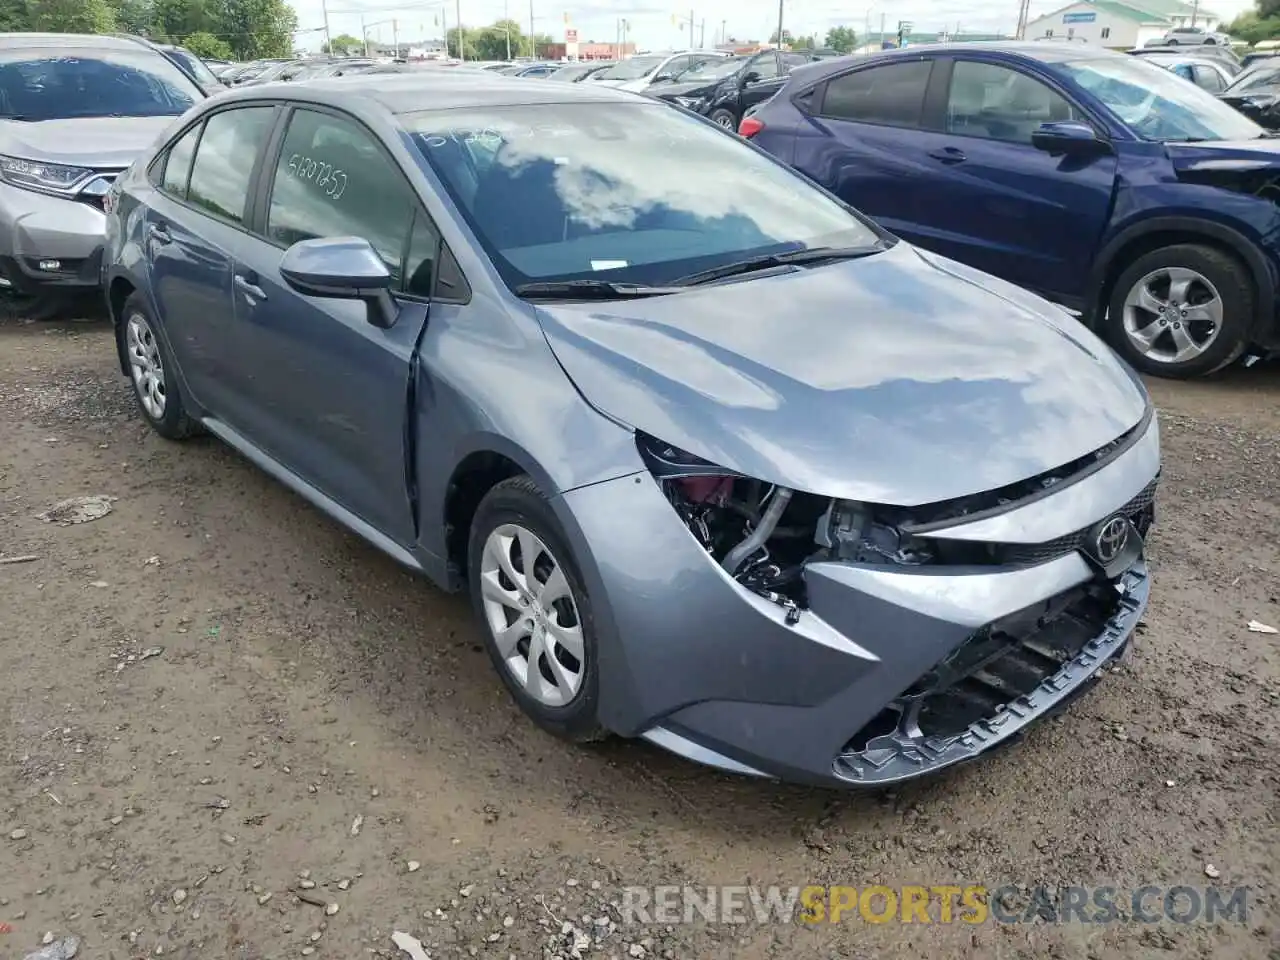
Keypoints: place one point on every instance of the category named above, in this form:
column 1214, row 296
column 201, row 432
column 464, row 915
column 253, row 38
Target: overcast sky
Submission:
column 650, row 20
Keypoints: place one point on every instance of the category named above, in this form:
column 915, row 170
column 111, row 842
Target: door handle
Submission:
column 250, row 289
column 949, row 155
column 158, row 232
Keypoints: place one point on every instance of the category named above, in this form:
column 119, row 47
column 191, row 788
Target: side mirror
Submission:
column 1069, row 137
column 344, row 268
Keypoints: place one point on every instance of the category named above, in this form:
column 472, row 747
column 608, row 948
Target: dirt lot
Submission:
column 150, row 805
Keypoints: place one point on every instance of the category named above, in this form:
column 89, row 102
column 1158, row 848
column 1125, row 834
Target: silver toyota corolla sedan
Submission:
column 722, row 464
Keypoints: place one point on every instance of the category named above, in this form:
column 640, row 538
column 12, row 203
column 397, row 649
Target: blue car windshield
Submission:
column 630, row 192
column 1157, row 104
column 41, row 85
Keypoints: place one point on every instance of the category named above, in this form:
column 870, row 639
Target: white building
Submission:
column 1121, row 24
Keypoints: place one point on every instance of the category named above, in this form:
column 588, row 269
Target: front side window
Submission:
column 1157, row 105
column 891, row 94
column 332, row 180
column 1208, row 78
column 997, row 103
column 765, row 68
column 585, row 191
column 177, row 168
column 41, row 84
column 224, row 160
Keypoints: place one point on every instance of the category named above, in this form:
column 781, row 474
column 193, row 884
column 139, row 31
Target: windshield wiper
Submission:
column 808, row 255
column 589, row 290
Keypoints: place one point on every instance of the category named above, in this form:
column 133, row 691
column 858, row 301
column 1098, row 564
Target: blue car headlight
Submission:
column 56, row 178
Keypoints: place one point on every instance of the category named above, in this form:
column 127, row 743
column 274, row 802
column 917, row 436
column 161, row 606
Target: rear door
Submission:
column 331, row 390
column 991, row 199
column 193, row 222
column 865, row 143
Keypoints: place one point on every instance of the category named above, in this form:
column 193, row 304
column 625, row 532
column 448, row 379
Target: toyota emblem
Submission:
column 1112, row 539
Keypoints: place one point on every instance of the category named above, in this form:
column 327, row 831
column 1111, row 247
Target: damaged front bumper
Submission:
column 883, row 671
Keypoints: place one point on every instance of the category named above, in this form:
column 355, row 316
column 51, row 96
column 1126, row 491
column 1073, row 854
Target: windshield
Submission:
column 632, row 69
column 1159, row 105
column 715, row 70
column 195, row 66
column 634, row 193
column 1255, row 79
column 94, row 83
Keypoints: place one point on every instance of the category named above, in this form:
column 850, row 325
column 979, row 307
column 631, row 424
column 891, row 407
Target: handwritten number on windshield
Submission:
column 332, row 181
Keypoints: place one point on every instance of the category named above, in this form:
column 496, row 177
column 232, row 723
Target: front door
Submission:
column 992, row 200
column 330, row 389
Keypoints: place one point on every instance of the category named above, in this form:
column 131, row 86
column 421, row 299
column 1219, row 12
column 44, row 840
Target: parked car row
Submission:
column 723, row 463
column 1100, row 181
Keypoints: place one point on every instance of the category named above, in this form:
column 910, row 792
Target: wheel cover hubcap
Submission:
column 532, row 615
column 1172, row 315
column 145, row 365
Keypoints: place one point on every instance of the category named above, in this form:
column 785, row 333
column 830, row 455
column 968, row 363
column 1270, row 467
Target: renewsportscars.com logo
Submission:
column 940, row 903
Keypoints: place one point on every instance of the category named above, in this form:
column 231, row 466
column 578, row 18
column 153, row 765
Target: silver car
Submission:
column 722, row 464
column 75, row 110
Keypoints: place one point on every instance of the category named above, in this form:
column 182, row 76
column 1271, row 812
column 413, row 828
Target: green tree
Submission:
column 255, row 28
column 134, row 16
column 14, row 15
column 207, row 46
column 71, row 16
column 842, row 39
column 344, row 45
column 490, row 43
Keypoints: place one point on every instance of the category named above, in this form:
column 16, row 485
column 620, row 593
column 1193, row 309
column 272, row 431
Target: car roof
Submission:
column 82, row 41
column 428, row 90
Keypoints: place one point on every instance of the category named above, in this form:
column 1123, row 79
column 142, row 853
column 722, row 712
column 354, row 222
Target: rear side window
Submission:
column 332, row 180
column 891, row 94
column 177, row 167
column 224, row 161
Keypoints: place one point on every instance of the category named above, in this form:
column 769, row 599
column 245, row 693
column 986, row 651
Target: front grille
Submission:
column 1140, row 511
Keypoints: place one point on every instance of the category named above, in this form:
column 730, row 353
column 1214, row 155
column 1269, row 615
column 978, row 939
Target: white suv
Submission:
column 1193, row 36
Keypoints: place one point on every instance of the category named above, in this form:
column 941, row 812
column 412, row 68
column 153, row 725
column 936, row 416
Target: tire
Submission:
column 152, row 373
column 1213, row 309
column 515, row 511
column 723, row 118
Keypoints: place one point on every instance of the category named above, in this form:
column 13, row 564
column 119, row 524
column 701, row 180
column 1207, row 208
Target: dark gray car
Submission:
column 722, row 464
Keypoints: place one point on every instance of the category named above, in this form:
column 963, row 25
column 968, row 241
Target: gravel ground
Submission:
column 217, row 700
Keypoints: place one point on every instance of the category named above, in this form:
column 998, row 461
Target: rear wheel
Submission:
column 724, row 118
column 1181, row 311
column 153, row 373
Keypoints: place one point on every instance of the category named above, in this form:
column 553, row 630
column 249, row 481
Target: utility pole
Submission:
column 1024, row 13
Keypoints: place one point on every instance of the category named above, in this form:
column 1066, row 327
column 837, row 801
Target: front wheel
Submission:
column 1181, row 311
column 534, row 610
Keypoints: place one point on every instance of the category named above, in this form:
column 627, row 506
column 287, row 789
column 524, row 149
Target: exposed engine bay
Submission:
column 762, row 534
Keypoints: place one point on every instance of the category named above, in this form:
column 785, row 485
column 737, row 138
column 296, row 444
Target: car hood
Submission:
column 1225, row 155
column 902, row 378
column 99, row 142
